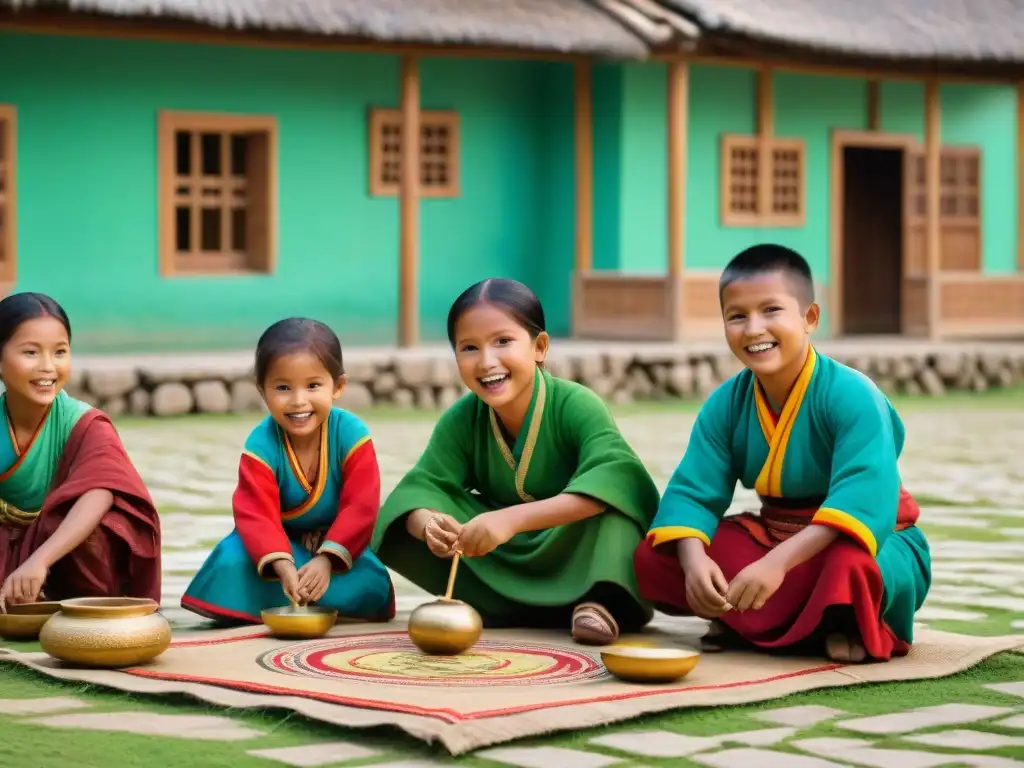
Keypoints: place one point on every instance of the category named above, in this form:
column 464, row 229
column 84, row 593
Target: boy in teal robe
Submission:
column 834, row 558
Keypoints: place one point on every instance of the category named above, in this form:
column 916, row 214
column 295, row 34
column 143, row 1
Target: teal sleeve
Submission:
column 864, row 487
column 702, row 486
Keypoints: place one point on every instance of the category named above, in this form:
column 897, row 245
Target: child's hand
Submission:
column 285, row 570
column 755, row 584
column 314, row 578
column 706, row 587
column 440, row 534
column 484, row 533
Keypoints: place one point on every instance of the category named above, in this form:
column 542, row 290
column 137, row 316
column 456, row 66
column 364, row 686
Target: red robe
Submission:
column 121, row 557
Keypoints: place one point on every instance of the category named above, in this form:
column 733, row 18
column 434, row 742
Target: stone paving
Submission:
column 964, row 465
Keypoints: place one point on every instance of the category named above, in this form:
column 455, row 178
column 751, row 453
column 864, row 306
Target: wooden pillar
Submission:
column 933, row 244
column 874, row 113
column 409, row 206
column 765, row 133
column 1020, row 177
column 583, row 99
column 678, row 120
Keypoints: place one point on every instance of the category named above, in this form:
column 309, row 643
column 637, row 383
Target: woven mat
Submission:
column 511, row 685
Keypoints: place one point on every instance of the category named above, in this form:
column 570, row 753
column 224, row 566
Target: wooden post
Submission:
column 584, row 140
column 765, row 133
column 874, row 106
column 678, row 102
column 1020, row 177
column 409, row 205
column 933, row 244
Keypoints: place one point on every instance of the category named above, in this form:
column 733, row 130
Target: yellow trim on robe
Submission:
column 359, row 444
column 658, row 536
column 315, row 492
column 529, row 443
column 769, row 481
column 848, row 524
column 271, row 558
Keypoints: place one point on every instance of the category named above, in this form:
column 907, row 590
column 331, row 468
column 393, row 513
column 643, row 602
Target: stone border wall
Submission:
column 430, row 380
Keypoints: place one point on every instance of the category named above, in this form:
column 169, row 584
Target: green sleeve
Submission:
column 864, row 487
column 608, row 469
column 702, row 486
column 440, row 478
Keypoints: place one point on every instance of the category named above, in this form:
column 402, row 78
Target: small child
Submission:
column 834, row 559
column 529, row 478
column 307, row 497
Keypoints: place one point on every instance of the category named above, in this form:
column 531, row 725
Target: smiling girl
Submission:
column 307, row 496
column 528, row 476
column 76, row 519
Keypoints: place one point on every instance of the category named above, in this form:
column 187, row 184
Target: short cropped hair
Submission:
column 768, row 257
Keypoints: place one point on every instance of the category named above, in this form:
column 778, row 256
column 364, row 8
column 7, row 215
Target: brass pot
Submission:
column 304, row 622
column 24, row 621
column 445, row 627
column 106, row 632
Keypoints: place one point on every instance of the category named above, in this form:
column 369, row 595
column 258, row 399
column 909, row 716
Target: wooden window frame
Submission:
column 764, row 148
column 263, row 192
column 9, row 156
column 449, row 119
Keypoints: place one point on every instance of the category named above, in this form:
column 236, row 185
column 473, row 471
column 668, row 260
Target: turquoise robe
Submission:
column 279, row 515
column 835, row 448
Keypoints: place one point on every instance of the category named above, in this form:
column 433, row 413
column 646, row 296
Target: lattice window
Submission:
column 959, row 205
column 8, row 217
column 218, row 193
column 439, row 153
column 762, row 182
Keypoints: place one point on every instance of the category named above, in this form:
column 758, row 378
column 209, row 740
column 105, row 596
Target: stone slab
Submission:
column 799, row 717
column 963, row 739
column 40, row 706
column 546, row 757
column 315, row 755
column 197, row 727
column 925, row 717
column 668, row 744
column 761, row 758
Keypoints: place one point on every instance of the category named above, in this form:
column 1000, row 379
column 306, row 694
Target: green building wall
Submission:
column 87, row 181
column 631, row 159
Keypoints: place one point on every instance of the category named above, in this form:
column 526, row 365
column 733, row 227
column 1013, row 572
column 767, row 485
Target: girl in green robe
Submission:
column 529, row 478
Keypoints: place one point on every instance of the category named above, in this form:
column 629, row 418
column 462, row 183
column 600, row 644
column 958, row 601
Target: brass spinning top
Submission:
column 445, row 627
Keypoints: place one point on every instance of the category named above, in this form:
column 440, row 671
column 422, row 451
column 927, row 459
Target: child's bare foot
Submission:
column 845, row 649
column 592, row 624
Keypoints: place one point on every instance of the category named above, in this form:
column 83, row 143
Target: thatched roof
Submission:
column 949, row 30
column 563, row 26
column 962, row 33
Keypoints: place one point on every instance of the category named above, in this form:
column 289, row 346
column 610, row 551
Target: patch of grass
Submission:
column 982, row 533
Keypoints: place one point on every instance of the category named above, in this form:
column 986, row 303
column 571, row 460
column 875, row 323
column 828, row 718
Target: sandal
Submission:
column 593, row 625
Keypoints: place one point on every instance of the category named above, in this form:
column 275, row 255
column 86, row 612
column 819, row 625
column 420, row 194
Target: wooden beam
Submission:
column 583, row 99
column 874, row 106
column 933, row 247
column 1020, row 177
column 765, row 131
column 678, row 104
column 409, row 206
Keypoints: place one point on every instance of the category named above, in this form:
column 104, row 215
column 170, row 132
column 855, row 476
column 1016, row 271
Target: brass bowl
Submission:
column 24, row 621
column 445, row 627
column 302, row 623
column 106, row 632
column 638, row 664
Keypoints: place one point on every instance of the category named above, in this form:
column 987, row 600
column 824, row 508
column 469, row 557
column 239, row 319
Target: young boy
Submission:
column 834, row 558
